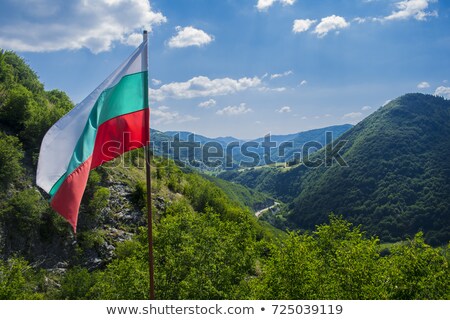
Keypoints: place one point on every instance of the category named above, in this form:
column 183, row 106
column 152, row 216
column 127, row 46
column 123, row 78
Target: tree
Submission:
column 18, row 281
column 14, row 111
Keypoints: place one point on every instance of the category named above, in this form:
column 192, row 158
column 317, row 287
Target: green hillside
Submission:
column 253, row 199
column 207, row 242
column 397, row 181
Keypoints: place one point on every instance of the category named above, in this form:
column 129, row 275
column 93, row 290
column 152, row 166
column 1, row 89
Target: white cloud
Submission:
column 288, row 2
column 163, row 108
column 280, row 75
column 189, row 36
column 303, row 82
column 208, row 104
column 423, row 85
column 263, row 5
column 304, row 118
column 366, row 108
column 234, row 110
column 443, row 92
column 166, row 117
column 352, row 115
column 330, row 23
column 412, row 9
column 360, row 20
column 302, row 25
column 156, row 82
column 284, row 109
column 266, row 89
column 72, row 25
column 203, row 87
column 133, row 40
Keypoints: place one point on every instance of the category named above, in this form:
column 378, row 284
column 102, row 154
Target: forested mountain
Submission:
column 233, row 150
column 207, row 242
column 396, row 181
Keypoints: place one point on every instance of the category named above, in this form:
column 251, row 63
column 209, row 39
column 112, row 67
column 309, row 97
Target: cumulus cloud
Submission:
column 284, row 109
column 208, row 104
column 50, row 25
column 330, row 23
column 423, row 85
column 162, row 115
column 202, row 86
column 234, row 110
column 302, row 25
column 366, row 108
column 281, row 75
column 133, row 39
column 443, row 92
column 303, row 83
column 412, row 9
column 263, row 5
column 189, row 36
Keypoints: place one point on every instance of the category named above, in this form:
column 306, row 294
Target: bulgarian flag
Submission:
column 113, row 119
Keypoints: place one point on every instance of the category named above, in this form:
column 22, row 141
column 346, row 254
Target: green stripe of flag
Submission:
column 127, row 96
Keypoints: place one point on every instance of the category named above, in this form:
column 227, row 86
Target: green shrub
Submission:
column 18, row 281
column 11, row 155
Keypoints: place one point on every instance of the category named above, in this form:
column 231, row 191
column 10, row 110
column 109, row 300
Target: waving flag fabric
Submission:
column 113, row 119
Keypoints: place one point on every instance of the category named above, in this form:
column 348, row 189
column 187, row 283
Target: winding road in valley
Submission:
column 260, row 212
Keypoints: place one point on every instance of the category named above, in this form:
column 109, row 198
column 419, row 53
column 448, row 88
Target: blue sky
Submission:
column 241, row 67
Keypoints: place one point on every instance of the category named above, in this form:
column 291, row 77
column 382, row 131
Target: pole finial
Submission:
column 144, row 35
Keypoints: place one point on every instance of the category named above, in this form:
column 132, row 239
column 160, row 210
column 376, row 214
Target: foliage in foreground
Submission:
column 338, row 262
column 200, row 256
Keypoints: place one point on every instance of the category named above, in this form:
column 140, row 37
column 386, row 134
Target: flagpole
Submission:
column 149, row 187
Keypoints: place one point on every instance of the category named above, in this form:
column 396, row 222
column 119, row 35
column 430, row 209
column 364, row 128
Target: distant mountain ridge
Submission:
column 297, row 141
column 397, row 181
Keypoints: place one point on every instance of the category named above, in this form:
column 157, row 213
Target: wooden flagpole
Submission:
column 149, row 189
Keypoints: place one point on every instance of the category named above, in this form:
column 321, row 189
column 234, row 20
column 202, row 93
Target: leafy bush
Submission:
column 76, row 284
column 99, row 200
column 21, row 217
column 18, row 280
column 15, row 110
column 11, row 155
